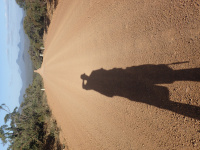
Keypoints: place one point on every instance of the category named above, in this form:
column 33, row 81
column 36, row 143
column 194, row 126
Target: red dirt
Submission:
column 89, row 35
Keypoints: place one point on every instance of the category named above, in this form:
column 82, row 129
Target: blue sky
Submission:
column 10, row 81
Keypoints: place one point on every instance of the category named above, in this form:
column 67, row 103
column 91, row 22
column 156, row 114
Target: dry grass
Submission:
column 51, row 6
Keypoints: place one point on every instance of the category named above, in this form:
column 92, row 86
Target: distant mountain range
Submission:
column 24, row 61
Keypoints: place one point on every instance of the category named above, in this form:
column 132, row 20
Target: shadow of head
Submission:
column 84, row 77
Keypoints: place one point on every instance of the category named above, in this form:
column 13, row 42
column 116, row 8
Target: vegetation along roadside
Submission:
column 32, row 126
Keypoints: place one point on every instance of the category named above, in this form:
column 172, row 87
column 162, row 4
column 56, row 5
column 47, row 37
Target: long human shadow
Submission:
column 138, row 83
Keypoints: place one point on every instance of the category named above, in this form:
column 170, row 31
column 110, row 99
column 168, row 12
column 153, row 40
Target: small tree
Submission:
column 9, row 132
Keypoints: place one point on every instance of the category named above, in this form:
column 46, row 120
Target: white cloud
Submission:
column 8, row 55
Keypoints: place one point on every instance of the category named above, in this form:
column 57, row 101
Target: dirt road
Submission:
column 142, row 103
